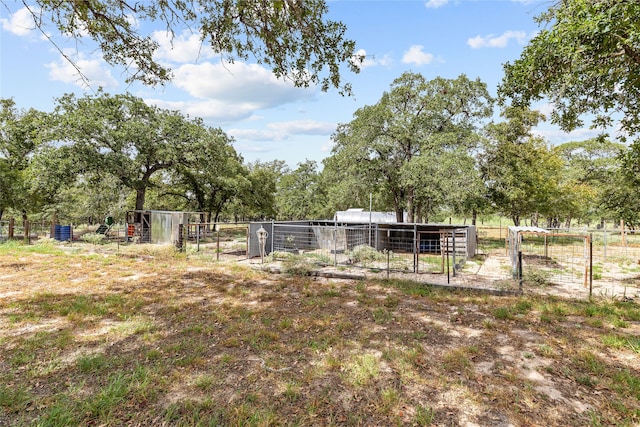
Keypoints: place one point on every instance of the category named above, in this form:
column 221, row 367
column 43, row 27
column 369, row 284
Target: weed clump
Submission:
column 364, row 254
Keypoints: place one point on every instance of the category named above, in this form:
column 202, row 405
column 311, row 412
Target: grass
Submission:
column 171, row 339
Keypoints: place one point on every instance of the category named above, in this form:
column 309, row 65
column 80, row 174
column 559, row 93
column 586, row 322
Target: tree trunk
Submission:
column 410, row 206
column 516, row 220
column 474, row 217
column 140, row 195
column 399, row 215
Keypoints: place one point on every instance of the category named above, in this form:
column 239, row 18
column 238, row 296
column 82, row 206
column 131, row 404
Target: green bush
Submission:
column 364, row 253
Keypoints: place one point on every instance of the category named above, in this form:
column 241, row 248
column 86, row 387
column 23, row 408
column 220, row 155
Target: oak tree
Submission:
column 294, row 38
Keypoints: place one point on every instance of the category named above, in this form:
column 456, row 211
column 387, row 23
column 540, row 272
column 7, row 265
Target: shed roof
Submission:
column 527, row 229
column 362, row 216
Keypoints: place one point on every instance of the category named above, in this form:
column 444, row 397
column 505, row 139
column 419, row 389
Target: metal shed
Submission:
column 361, row 216
column 154, row 226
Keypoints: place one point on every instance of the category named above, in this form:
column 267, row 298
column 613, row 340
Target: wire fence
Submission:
column 575, row 261
column 596, row 261
column 223, row 241
column 377, row 247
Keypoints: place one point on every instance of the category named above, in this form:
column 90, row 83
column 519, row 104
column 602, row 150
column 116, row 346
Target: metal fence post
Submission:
column 388, row 253
column 198, row 237
column 416, row 253
column 217, row 228
column 335, row 243
column 447, row 254
column 520, row 278
column 591, row 265
column 453, row 251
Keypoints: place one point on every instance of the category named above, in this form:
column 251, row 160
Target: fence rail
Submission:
column 408, row 248
column 604, row 260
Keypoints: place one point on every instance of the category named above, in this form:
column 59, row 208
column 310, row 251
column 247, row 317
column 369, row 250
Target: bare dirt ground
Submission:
column 93, row 337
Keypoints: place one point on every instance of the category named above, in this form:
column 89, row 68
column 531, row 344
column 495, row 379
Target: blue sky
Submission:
column 270, row 119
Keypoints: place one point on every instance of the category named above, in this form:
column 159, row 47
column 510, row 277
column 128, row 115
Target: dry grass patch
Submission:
column 147, row 336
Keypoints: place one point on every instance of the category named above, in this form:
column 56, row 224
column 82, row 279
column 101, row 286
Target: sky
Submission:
column 269, row 119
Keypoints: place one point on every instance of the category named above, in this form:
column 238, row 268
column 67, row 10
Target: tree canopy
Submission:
column 21, row 135
column 412, row 143
column 293, row 38
column 586, row 61
column 520, row 171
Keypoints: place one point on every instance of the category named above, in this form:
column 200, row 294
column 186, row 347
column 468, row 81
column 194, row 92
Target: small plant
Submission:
column 424, row 415
column 382, row 316
column 502, row 313
column 362, row 369
column 297, row 265
column 363, row 254
column 457, row 360
column 94, row 238
column 536, row 277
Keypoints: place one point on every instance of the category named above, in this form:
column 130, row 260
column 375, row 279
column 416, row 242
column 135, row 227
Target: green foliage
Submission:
column 299, row 195
column 295, row 39
column 402, row 146
column 208, row 175
column 297, row 265
column 364, row 254
column 122, row 136
column 22, row 135
column 521, row 171
column 424, row 415
column 536, row 277
column 94, row 238
column 585, row 61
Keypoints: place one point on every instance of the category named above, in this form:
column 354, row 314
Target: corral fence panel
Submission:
column 409, row 248
column 222, row 240
column 601, row 261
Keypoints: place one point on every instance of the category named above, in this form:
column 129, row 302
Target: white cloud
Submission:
column 233, row 91
column 415, row 55
column 501, row 41
column 20, row 23
column 217, row 110
column 434, row 4
column 92, row 69
column 281, row 131
column 185, row 47
column 557, row 136
column 545, row 108
column 237, row 80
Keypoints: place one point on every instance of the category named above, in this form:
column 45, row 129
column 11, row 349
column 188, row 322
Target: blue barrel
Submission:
column 65, row 233
column 62, row 233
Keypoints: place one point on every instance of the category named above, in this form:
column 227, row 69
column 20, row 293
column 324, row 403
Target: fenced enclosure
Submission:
column 409, row 248
column 13, row 229
column 222, row 240
column 602, row 260
column 571, row 262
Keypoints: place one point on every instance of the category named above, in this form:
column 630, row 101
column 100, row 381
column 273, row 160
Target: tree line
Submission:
column 428, row 148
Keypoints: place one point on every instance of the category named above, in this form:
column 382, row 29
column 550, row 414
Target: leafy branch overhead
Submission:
column 294, row 38
column 586, row 61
